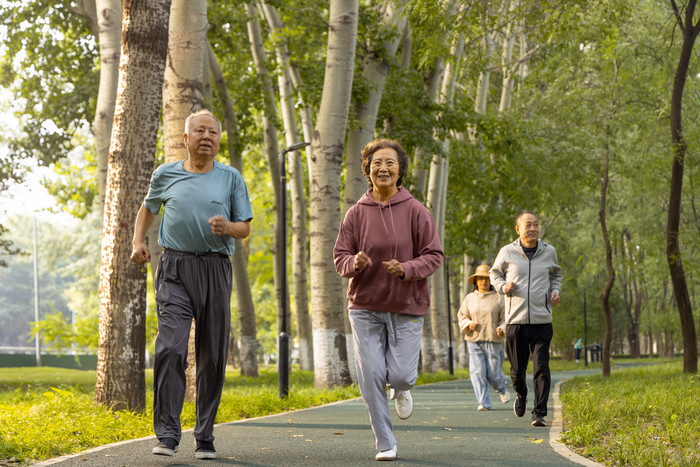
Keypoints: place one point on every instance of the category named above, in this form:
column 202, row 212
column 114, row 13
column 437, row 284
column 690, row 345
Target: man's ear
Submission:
column 184, row 135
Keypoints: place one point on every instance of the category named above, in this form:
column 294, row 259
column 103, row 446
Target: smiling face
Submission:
column 528, row 228
column 384, row 169
column 204, row 137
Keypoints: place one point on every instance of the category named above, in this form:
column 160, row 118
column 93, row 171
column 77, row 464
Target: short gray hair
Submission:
column 197, row 113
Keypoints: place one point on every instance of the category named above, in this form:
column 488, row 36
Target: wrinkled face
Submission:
column 204, row 138
column 528, row 228
column 384, row 169
column 483, row 284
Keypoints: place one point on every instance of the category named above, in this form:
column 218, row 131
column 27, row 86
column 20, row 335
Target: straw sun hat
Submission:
column 481, row 271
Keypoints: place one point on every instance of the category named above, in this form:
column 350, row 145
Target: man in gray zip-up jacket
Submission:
column 528, row 274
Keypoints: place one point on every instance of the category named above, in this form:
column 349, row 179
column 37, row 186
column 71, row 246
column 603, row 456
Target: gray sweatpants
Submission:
column 190, row 286
column 387, row 347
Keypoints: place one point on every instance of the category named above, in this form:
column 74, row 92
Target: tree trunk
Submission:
column 605, row 295
column 375, row 70
column 122, row 332
column 673, row 251
column 239, row 260
column 109, row 29
column 182, row 95
column 182, row 84
column 272, row 152
column 326, row 159
column 436, row 199
column 298, row 198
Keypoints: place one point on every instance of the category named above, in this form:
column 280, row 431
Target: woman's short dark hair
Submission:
column 382, row 143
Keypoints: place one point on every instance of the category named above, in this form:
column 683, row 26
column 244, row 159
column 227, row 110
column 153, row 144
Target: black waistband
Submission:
column 196, row 253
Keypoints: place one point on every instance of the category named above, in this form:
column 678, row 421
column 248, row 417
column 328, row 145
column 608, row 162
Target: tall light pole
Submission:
column 450, row 350
column 283, row 340
column 36, row 297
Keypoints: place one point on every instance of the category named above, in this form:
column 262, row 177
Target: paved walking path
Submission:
column 445, row 429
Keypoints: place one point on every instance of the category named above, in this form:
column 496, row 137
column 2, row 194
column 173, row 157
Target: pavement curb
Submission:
column 556, row 429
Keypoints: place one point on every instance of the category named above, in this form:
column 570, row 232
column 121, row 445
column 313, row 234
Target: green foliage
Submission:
column 644, row 416
column 49, row 61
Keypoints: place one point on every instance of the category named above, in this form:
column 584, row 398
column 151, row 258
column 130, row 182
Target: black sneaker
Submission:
column 205, row 450
column 537, row 420
column 519, row 405
column 165, row 447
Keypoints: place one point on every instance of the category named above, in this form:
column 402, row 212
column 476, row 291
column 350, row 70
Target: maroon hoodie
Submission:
column 402, row 229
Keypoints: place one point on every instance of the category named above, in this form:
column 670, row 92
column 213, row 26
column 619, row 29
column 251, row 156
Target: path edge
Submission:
column 557, row 427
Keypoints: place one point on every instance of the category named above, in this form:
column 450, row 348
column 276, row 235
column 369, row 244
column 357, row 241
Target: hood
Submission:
column 400, row 197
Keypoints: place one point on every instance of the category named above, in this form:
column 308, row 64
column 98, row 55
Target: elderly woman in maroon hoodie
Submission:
column 387, row 246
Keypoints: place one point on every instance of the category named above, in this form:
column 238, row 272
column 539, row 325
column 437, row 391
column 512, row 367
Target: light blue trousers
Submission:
column 387, row 347
column 486, row 367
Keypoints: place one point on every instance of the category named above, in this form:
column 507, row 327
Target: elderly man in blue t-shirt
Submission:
column 205, row 208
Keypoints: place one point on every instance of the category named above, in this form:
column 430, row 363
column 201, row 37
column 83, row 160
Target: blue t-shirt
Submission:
column 191, row 199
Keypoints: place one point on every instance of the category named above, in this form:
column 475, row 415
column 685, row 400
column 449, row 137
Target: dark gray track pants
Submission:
column 190, row 286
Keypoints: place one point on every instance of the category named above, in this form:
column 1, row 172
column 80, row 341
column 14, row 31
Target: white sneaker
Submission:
column 505, row 396
column 481, row 408
column 388, row 455
column 403, row 404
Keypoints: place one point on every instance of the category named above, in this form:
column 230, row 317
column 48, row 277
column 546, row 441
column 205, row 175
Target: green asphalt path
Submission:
column 445, row 429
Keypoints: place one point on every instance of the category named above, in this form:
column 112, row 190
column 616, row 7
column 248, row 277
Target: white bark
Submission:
column 330, row 352
column 122, row 333
column 109, row 31
column 375, row 70
column 182, row 85
column 437, row 196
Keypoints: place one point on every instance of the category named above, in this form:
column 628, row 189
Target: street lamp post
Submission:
column 37, row 339
column 450, row 350
column 283, row 340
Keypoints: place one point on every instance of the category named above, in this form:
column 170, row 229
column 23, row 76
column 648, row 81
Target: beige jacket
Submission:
column 488, row 311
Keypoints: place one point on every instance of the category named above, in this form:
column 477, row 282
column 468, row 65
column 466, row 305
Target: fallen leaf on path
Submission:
column 298, row 436
column 338, row 433
column 537, row 441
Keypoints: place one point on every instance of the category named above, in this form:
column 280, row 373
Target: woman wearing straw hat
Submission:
column 482, row 321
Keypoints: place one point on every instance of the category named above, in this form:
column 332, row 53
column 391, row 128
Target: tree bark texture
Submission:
column 330, row 352
column 375, row 69
column 122, row 330
column 109, row 31
column 673, row 251
column 182, row 85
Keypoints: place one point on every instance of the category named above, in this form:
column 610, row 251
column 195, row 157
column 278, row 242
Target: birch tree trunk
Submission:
column 375, row 70
column 436, row 200
column 298, row 196
column 330, row 352
column 122, row 332
column 109, row 29
column 239, row 260
column 182, row 95
column 272, row 152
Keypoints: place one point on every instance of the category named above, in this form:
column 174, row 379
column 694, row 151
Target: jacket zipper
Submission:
column 529, row 273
